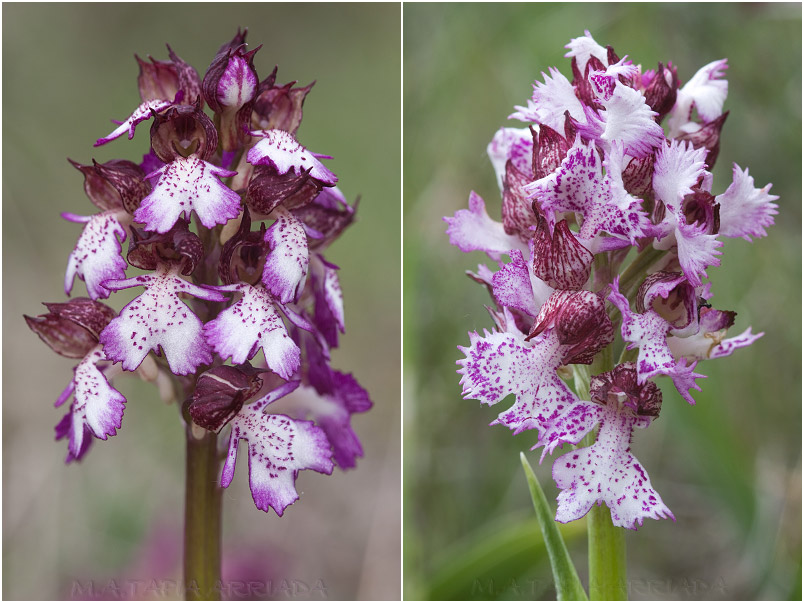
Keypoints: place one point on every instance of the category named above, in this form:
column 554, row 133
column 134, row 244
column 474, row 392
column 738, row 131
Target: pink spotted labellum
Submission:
column 226, row 220
column 591, row 176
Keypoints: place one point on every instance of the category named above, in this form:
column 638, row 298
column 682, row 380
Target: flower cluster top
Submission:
column 596, row 183
column 231, row 214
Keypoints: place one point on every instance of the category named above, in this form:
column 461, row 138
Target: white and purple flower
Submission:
column 594, row 175
column 185, row 214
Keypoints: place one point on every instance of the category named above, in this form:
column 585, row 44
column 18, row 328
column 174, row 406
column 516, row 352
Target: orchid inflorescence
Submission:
column 596, row 180
column 250, row 265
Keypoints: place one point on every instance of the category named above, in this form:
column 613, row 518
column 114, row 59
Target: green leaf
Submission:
column 568, row 586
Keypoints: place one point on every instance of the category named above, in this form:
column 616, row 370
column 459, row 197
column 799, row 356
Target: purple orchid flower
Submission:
column 594, row 175
column 228, row 216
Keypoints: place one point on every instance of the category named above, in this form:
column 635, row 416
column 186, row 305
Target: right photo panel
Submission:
column 602, row 301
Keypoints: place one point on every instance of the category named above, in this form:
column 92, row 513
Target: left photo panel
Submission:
column 201, row 272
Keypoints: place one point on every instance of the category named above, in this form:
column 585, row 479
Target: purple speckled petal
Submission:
column 98, row 253
column 605, row 82
column 579, row 185
column 746, row 211
column 188, row 184
column 285, row 270
column 97, row 407
column 502, row 363
column 570, row 426
column 473, row 230
column 512, row 286
column 281, row 150
column 608, row 473
column 514, row 144
column 683, row 376
column 728, row 346
column 158, row 318
column 250, row 324
column 278, row 448
column 574, row 186
column 140, row 114
column 649, row 332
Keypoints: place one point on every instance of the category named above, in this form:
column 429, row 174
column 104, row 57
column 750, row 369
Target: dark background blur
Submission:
column 730, row 467
column 68, row 69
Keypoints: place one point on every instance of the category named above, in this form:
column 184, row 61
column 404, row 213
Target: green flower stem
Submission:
column 202, row 519
column 607, row 568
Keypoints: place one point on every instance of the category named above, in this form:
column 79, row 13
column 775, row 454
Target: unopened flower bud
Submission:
column 660, row 93
column 163, row 79
column 71, row 329
column 116, row 184
column 229, row 87
column 278, row 107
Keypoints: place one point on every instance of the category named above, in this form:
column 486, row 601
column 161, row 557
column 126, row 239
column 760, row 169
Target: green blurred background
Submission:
column 68, row 69
column 729, row 468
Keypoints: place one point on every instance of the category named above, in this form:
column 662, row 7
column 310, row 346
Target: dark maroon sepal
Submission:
column 243, row 255
column 660, row 95
column 267, row 189
column 182, row 125
column 700, row 208
column 638, row 176
column 707, row 137
column 611, row 56
column 220, row 392
column 163, row 79
column 278, row 107
column 580, row 320
column 116, row 184
column 327, row 217
column 549, row 150
column 177, row 246
column 72, row 329
column 644, row 399
column 570, row 128
column 558, row 258
column 517, row 212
